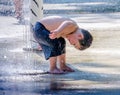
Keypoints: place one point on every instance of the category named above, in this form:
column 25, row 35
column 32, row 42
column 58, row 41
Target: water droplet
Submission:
column 5, row 56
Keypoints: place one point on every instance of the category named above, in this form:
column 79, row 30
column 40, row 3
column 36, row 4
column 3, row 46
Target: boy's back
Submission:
column 53, row 22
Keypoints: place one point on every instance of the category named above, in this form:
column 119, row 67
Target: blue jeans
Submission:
column 50, row 47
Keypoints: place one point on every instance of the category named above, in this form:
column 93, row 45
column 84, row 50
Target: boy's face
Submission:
column 74, row 40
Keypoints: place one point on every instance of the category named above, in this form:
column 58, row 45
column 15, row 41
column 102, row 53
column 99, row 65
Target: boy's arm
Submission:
column 64, row 29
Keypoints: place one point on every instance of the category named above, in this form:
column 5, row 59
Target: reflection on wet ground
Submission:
column 97, row 70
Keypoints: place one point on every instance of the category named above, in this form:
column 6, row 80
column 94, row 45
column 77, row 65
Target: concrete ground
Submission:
column 97, row 69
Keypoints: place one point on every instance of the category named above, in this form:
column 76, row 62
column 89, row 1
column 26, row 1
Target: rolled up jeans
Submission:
column 50, row 47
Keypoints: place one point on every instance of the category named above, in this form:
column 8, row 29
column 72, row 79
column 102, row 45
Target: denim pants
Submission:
column 50, row 47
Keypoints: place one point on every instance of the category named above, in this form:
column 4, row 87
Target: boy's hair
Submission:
column 87, row 40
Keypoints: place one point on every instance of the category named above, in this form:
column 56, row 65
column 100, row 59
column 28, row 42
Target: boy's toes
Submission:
column 56, row 71
column 67, row 69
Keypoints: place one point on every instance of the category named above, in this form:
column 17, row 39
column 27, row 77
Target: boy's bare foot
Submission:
column 67, row 69
column 56, row 71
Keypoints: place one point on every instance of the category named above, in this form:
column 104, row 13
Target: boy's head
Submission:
column 87, row 39
column 81, row 39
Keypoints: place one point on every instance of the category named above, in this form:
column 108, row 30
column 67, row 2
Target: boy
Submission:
column 51, row 32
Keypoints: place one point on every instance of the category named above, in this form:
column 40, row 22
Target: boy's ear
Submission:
column 80, row 36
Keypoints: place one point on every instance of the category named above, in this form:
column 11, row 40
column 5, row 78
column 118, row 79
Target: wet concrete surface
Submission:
column 97, row 69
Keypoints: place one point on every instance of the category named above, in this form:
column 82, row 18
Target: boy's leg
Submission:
column 62, row 61
column 18, row 8
column 53, row 66
column 53, row 61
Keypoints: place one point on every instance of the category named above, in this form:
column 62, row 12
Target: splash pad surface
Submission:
column 97, row 70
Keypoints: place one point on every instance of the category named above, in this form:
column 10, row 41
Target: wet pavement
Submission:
column 97, row 69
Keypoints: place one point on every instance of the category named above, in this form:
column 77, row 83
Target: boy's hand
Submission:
column 53, row 34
